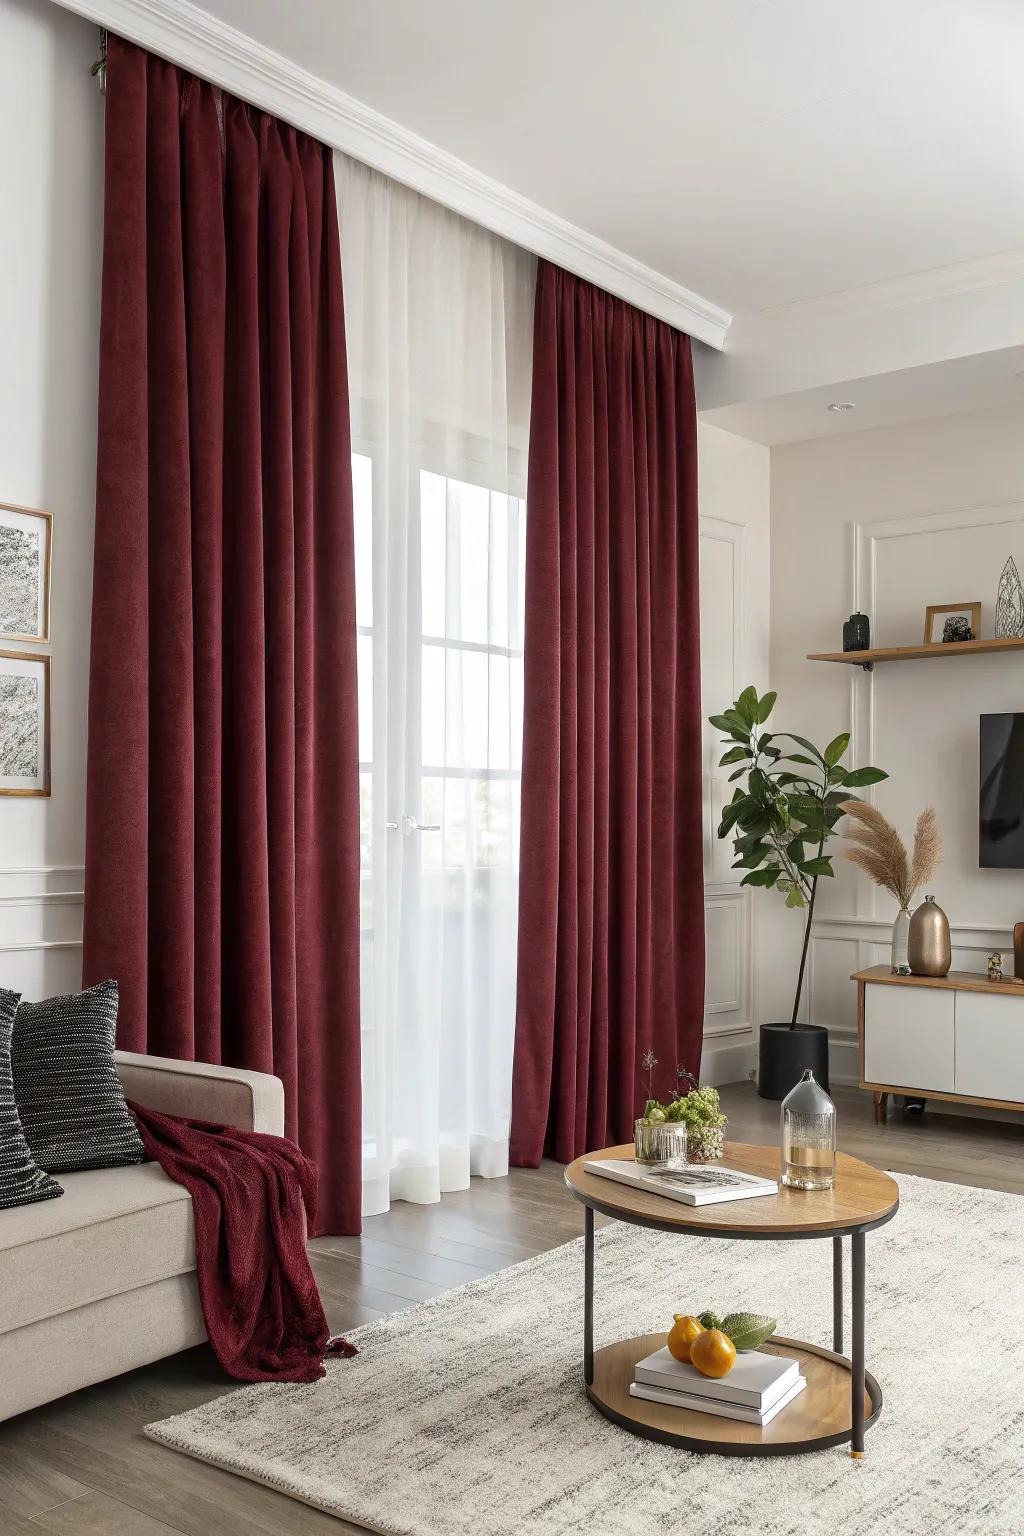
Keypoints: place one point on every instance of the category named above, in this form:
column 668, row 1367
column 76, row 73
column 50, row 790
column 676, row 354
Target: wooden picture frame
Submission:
column 970, row 611
column 26, row 559
column 17, row 708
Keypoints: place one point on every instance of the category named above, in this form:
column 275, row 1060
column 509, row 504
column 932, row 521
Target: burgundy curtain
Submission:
column 611, row 900
column 222, row 825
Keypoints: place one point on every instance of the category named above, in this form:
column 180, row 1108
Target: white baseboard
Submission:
column 726, row 1060
column 843, row 1062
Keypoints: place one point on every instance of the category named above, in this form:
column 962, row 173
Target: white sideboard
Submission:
column 958, row 1037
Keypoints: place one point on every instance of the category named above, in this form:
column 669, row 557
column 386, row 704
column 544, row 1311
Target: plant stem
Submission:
column 806, row 945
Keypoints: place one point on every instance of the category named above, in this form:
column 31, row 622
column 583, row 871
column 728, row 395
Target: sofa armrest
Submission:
column 250, row 1101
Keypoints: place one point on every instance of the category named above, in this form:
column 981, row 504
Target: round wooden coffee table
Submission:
column 841, row 1399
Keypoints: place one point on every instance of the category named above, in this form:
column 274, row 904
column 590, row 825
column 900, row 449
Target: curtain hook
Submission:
column 99, row 69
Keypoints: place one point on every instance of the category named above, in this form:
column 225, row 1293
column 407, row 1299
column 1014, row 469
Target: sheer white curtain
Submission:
column 439, row 321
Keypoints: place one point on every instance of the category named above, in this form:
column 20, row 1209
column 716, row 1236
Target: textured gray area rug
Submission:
column 466, row 1417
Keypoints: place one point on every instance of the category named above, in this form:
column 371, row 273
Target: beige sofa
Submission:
column 103, row 1279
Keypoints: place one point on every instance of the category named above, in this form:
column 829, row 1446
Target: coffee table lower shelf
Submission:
column 819, row 1417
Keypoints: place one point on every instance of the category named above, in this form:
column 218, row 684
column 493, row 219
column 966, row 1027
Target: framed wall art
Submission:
column 26, row 540
column 24, row 723
column 947, row 623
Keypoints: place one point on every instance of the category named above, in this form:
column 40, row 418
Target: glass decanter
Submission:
column 808, row 1134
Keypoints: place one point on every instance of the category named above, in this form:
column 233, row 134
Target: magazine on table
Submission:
column 693, row 1184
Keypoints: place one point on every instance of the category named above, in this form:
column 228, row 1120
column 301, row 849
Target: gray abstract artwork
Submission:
column 21, row 552
column 19, row 727
column 1010, row 603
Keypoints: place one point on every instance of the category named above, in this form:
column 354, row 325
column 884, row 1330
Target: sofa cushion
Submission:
column 68, row 1093
column 115, row 1229
column 21, row 1181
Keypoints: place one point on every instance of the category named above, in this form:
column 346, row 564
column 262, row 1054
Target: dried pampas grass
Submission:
column 875, row 846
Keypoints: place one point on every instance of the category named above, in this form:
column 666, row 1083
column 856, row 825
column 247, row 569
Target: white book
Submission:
column 755, row 1381
column 717, row 1406
column 695, row 1184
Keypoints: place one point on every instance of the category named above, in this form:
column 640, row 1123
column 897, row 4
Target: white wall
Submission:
column 734, row 608
column 892, row 520
column 51, row 184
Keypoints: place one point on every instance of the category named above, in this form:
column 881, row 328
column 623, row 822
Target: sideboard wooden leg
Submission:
column 881, row 1106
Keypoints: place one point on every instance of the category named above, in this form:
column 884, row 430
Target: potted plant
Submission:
column 699, row 1109
column 780, row 820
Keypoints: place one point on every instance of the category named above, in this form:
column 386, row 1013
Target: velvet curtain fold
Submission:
column 222, row 854
column 611, row 910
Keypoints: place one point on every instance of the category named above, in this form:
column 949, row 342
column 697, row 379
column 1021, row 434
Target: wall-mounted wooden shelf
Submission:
column 867, row 659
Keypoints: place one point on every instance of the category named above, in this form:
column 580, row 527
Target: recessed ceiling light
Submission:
column 842, row 405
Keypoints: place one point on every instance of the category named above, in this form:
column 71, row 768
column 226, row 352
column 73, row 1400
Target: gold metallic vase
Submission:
column 928, row 948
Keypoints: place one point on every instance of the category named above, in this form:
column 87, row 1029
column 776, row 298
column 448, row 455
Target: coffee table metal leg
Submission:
column 588, row 1297
column 837, row 1295
column 857, row 1438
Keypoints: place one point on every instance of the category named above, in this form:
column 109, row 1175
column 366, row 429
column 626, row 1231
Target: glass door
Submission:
column 440, row 616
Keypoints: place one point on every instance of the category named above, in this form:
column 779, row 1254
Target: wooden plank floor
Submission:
column 81, row 1466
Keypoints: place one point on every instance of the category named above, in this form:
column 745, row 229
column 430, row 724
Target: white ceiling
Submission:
column 757, row 151
column 906, row 394
column 787, row 159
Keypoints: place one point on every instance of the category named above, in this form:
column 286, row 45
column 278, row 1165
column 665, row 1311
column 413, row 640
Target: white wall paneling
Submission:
column 945, row 506
column 51, row 114
column 734, row 542
column 41, row 929
column 727, row 907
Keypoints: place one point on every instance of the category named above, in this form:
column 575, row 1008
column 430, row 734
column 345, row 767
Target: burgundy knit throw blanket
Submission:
column 251, row 1195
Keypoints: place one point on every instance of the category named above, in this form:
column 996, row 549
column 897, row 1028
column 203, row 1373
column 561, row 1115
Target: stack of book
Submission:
column 757, row 1388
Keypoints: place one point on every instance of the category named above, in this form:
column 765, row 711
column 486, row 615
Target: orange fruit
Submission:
column 713, row 1352
column 684, row 1330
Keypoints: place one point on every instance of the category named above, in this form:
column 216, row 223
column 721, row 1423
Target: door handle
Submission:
column 410, row 824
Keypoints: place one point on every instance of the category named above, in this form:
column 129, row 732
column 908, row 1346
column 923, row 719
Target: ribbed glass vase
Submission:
column 808, row 1134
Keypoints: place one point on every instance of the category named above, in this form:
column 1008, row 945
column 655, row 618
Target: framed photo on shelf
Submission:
column 26, row 541
column 24, row 723
column 949, row 623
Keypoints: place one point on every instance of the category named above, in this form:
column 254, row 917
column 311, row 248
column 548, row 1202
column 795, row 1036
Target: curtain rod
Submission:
column 99, row 69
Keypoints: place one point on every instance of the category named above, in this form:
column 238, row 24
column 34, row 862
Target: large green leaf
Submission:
column 746, row 705
column 734, row 755
column 748, row 1330
column 809, row 746
column 859, row 777
column 820, row 866
column 836, row 747
column 837, row 775
column 754, row 856
column 765, row 877
column 765, row 706
column 795, row 897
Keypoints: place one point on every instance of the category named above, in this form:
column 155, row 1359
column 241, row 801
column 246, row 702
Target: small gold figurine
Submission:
column 995, row 966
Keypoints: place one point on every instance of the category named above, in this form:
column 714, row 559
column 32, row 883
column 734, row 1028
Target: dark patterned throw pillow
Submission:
column 21, row 1182
column 66, row 1086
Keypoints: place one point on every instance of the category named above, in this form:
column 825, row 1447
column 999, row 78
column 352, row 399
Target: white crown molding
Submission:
column 195, row 40
column 972, row 276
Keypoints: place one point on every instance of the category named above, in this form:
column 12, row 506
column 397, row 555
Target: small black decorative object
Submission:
column 956, row 629
column 857, row 633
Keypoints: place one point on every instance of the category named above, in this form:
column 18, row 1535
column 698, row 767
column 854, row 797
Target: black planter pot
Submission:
column 784, row 1053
